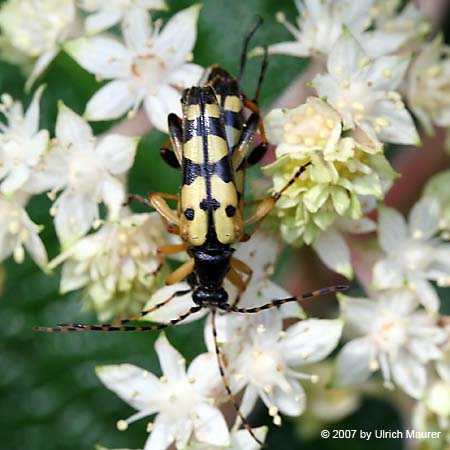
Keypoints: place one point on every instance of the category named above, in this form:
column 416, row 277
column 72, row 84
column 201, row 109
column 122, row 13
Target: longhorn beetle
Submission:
column 210, row 144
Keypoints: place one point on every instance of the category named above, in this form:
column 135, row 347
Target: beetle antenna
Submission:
column 262, row 74
column 281, row 301
column 244, row 52
column 119, row 325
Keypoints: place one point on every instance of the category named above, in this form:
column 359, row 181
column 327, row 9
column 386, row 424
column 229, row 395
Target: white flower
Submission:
column 118, row 265
column 341, row 169
column 395, row 29
column 394, row 337
column 262, row 358
column 428, row 88
column 331, row 245
column 17, row 231
column 149, row 68
column 100, row 447
column 432, row 412
column 413, row 256
column 437, row 187
column 239, row 440
column 37, row 28
column 328, row 404
column 21, row 143
column 320, row 25
column 363, row 91
column 107, row 13
column 88, row 171
column 311, row 127
column 182, row 401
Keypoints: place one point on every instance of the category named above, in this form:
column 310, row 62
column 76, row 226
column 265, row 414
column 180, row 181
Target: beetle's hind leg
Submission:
column 221, row 364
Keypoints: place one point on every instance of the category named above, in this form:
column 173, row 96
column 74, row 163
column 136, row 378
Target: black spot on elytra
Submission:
column 189, row 213
column 230, row 211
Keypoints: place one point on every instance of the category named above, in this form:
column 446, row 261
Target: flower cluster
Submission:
column 118, row 265
column 22, row 147
column 413, row 254
column 379, row 26
column 378, row 70
column 150, row 66
column 437, row 188
column 427, row 86
column 341, row 135
column 37, row 28
column 394, row 337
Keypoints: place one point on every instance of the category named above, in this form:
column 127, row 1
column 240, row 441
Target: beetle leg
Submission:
column 182, row 272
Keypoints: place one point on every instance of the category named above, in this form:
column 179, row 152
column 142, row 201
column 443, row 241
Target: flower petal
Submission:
column 274, row 123
column 291, row 403
column 136, row 29
column 356, row 226
column 392, row 229
column 311, row 340
column 71, row 279
column 15, row 179
column 132, row 384
column 249, row 400
column 387, row 72
column 36, row 249
column 185, row 76
column 102, row 20
column 334, row 252
column 72, row 129
column 426, row 293
column 387, row 274
column 32, row 114
column 177, row 39
column 353, row 363
column 242, row 440
column 400, row 128
column 345, row 57
column 401, row 303
column 110, row 102
column 102, row 55
column 210, row 425
column 409, row 374
column 204, row 372
column 117, row 152
column 173, row 365
column 162, row 434
column 358, row 313
column 113, row 195
column 424, row 218
column 292, row 48
column 40, row 65
column 74, row 216
column 159, row 106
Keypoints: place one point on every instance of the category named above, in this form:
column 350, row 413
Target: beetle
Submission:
column 210, row 144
